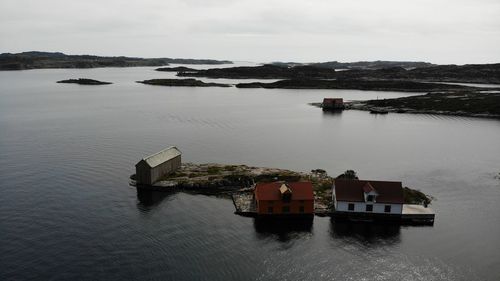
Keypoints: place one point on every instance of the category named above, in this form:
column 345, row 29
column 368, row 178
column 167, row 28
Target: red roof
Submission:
column 333, row 100
column 353, row 190
column 271, row 190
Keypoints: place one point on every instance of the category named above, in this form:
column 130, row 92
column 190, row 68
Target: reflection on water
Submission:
column 148, row 199
column 332, row 113
column 366, row 233
column 283, row 229
column 66, row 212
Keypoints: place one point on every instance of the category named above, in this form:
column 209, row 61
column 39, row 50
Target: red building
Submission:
column 333, row 103
column 279, row 198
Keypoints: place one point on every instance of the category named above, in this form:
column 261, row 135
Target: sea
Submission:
column 67, row 211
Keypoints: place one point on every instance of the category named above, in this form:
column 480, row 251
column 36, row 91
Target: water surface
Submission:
column 67, row 212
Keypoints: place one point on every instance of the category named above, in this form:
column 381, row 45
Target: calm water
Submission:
column 67, row 212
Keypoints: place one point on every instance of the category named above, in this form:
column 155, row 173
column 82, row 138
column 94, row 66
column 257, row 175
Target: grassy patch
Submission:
column 285, row 176
column 213, row 170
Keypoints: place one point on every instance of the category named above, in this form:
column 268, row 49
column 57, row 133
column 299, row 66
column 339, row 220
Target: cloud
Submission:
column 258, row 29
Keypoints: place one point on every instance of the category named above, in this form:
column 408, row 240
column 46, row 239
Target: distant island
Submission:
column 355, row 84
column 38, row 60
column 181, row 83
column 470, row 73
column 460, row 103
column 266, row 71
column 366, row 65
column 176, row 69
column 84, row 81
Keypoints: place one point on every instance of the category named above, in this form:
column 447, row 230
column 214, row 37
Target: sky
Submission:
column 438, row 31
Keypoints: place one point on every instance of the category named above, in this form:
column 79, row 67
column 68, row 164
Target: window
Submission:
column 286, row 209
column 350, row 207
column 387, row 208
column 270, row 210
column 369, row 208
column 301, row 209
column 370, row 198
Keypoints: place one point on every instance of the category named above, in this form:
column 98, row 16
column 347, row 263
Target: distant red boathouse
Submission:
column 333, row 103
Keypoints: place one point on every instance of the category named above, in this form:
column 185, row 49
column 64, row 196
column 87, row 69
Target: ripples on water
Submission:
column 67, row 212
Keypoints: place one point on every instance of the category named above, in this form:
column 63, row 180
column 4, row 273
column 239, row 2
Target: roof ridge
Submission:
column 163, row 150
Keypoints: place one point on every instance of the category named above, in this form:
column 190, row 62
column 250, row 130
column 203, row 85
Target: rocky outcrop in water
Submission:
column 176, row 69
column 181, row 83
column 84, row 81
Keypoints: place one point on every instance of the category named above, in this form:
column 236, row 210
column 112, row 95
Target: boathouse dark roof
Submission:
column 353, row 190
column 271, row 191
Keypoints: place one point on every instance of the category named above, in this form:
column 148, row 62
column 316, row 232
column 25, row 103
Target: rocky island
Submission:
column 372, row 65
column 458, row 103
column 355, row 84
column 181, row 83
column 267, row 71
column 212, row 178
column 470, row 73
column 84, row 81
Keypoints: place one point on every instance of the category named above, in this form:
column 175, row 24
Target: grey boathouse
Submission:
column 150, row 169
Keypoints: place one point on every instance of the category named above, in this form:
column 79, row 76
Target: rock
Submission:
column 84, row 81
column 181, row 83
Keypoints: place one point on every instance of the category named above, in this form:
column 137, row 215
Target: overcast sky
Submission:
column 439, row 31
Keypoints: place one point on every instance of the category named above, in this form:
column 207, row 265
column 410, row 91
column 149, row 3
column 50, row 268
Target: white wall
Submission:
column 361, row 207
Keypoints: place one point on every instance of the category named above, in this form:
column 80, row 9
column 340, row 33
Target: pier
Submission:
column 244, row 203
column 417, row 214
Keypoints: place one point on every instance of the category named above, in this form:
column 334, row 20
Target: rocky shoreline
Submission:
column 462, row 103
column 220, row 179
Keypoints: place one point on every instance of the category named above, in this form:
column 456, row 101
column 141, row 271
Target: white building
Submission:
column 363, row 196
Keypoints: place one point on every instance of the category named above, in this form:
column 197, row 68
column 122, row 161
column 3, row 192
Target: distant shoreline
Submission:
column 48, row 60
